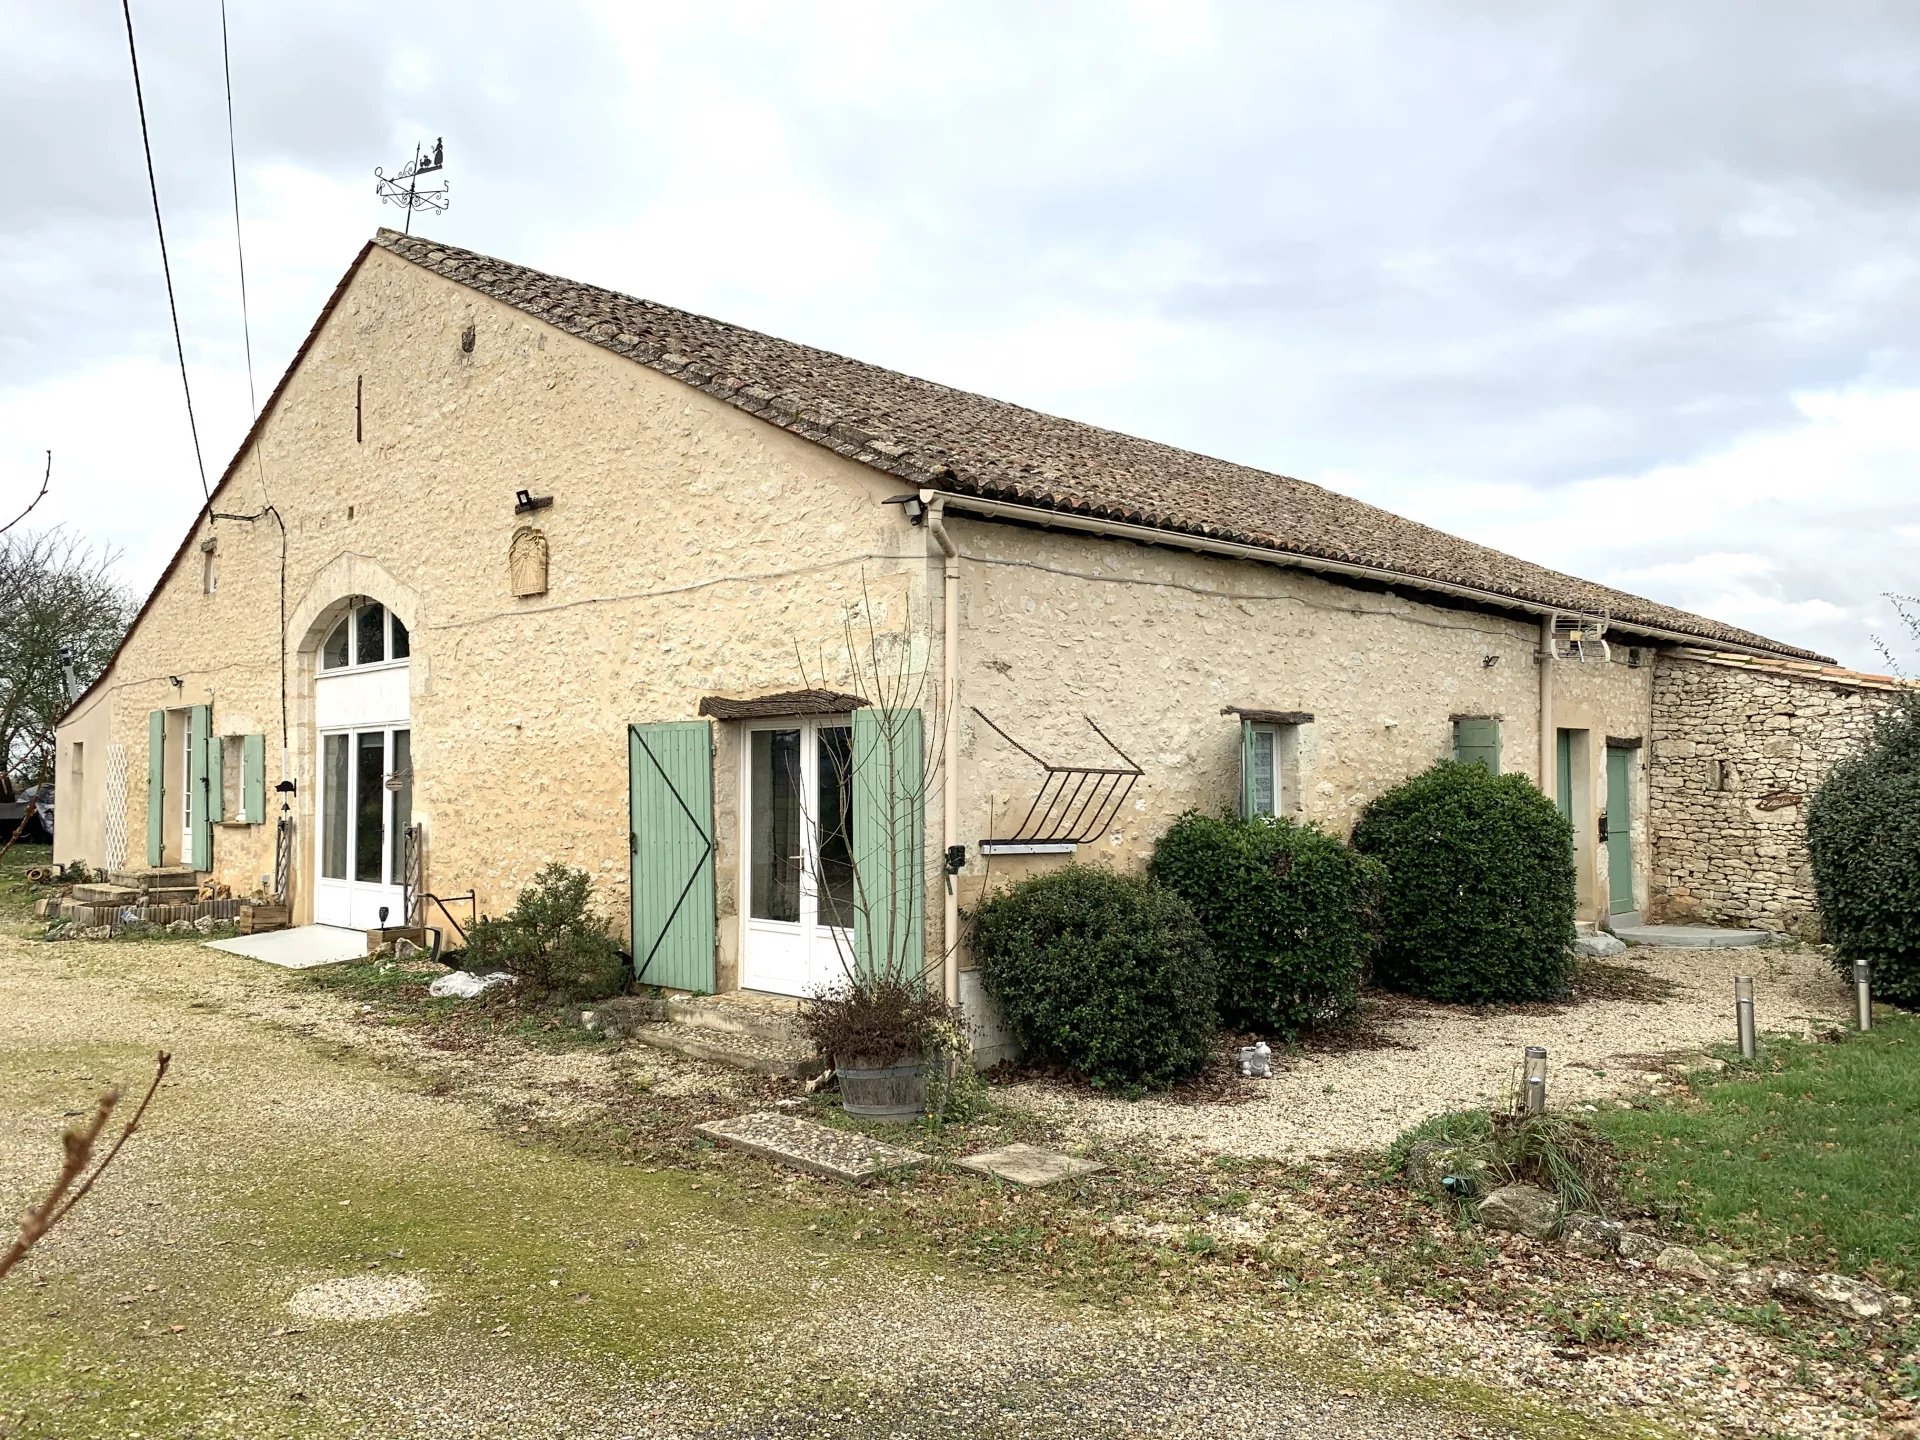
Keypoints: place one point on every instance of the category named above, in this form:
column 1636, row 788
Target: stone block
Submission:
column 818, row 1149
column 1522, row 1209
column 1591, row 1235
column 1028, row 1165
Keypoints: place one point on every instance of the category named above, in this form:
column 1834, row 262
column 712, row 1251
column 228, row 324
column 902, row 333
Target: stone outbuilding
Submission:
column 797, row 655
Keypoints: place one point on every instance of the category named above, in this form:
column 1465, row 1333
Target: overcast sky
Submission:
column 1627, row 289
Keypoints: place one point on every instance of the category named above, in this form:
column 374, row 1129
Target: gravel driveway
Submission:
column 1446, row 1057
column 562, row 1295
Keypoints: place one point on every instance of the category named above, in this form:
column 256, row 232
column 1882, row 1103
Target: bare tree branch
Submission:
column 45, row 481
column 69, row 1189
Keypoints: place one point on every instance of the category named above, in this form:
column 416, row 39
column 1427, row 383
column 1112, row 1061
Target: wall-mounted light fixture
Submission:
column 525, row 502
column 175, row 681
column 912, row 506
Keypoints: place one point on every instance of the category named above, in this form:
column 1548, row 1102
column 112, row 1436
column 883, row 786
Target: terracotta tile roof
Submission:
column 934, row 436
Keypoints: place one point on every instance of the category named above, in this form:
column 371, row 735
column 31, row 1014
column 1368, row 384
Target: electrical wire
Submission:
column 166, row 268
column 239, row 245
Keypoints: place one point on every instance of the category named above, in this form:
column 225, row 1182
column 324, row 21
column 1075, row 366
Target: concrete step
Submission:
column 768, row 1019
column 106, row 895
column 722, row 1047
column 164, row 877
column 1693, row 937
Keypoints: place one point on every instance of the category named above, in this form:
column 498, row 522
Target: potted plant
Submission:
column 881, row 1035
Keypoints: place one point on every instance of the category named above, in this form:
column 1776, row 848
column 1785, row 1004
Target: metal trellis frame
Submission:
column 1075, row 803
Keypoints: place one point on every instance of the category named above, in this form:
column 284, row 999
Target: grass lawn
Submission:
column 1808, row 1156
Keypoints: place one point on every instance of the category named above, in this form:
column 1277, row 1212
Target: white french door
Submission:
column 366, row 805
column 797, row 797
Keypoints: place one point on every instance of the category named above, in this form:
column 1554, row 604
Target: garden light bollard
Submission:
column 1863, row 993
column 1536, row 1080
column 1743, row 1016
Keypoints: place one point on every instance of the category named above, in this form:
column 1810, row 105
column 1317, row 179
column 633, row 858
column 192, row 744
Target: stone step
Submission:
column 722, row 1047
column 768, row 1019
column 106, row 894
column 163, row 877
column 184, row 895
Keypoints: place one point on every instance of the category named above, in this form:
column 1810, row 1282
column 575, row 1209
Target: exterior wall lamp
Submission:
column 912, row 506
column 525, row 502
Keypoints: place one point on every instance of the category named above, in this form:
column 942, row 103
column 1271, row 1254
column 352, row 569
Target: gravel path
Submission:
column 562, row 1295
column 1447, row 1057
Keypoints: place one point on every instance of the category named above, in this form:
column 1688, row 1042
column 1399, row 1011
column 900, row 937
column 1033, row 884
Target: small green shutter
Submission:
column 1477, row 742
column 199, row 731
column 1563, row 771
column 889, row 843
column 670, row 814
column 156, row 784
column 253, row 779
column 1247, row 801
column 216, row 765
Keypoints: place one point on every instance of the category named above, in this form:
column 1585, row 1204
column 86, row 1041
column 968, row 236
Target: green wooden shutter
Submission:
column 253, row 780
column 670, row 814
column 889, row 843
column 1477, row 742
column 1246, row 770
column 199, row 731
column 216, row 766
column 156, row 785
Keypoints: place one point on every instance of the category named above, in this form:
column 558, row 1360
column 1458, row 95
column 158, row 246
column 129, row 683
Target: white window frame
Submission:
column 350, row 620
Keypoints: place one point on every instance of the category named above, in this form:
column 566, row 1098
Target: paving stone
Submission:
column 1029, row 1165
column 836, row 1154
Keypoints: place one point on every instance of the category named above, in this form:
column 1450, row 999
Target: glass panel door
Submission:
column 369, row 804
column 333, row 806
column 798, row 804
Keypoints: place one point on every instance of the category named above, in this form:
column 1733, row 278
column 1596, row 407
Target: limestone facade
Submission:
column 1739, row 748
column 691, row 549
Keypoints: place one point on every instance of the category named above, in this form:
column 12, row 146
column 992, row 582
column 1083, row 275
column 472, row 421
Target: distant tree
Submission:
column 56, row 589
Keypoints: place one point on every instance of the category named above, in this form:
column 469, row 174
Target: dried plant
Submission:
column 78, row 1172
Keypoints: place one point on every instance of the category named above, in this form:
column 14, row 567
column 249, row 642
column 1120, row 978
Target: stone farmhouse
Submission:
column 795, row 655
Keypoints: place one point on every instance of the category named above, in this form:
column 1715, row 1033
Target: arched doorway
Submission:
column 364, row 753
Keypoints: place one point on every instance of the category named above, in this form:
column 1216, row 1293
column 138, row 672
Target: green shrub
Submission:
column 552, row 940
column 1863, row 829
column 1289, row 911
column 1108, row 974
column 1479, row 893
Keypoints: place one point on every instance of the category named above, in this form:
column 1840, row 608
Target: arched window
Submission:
column 368, row 634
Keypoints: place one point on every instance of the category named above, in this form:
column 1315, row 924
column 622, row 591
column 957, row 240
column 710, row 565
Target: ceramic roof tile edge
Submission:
column 624, row 324
column 1823, row 673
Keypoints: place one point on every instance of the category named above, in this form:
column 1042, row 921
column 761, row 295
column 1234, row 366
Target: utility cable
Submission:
column 166, row 269
column 239, row 245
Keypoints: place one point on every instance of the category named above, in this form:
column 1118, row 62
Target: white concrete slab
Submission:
column 301, row 948
column 1691, row 937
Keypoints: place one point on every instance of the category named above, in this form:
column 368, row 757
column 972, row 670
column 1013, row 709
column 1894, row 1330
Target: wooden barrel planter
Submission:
column 896, row 1092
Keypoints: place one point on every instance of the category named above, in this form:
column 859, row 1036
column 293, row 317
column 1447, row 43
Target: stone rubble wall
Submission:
column 1738, row 752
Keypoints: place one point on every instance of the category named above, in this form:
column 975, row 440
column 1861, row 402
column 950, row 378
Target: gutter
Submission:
column 936, row 504
column 1182, row 540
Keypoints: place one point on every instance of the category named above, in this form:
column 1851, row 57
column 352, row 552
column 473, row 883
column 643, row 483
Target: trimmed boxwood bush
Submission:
column 1289, row 911
column 1479, row 892
column 1108, row 974
column 1863, row 829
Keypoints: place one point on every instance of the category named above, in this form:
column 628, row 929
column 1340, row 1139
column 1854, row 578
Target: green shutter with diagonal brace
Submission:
column 199, row 732
column 889, row 844
column 156, row 785
column 670, row 815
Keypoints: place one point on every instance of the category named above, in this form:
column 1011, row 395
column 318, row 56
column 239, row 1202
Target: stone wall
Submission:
column 1158, row 646
column 1739, row 747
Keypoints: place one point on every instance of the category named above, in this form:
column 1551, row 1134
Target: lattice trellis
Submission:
column 116, row 837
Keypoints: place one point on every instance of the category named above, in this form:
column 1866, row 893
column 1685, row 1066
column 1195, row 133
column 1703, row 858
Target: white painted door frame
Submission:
column 351, row 706
column 803, row 955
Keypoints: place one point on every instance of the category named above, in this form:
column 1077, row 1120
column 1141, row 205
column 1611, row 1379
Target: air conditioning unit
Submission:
column 1581, row 637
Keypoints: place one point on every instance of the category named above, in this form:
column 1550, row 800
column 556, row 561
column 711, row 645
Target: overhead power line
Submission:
column 239, row 246
column 166, row 269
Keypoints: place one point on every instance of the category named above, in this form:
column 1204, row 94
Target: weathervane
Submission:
column 404, row 189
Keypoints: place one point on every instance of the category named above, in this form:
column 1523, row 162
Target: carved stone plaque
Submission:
column 527, row 558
